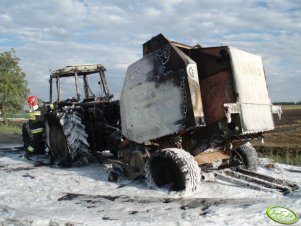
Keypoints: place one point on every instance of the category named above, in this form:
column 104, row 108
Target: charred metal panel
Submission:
column 209, row 63
column 154, row 44
column 251, row 87
column 195, row 92
column 149, row 112
column 161, row 93
column 215, row 51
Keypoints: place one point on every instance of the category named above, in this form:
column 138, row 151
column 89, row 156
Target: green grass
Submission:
column 17, row 116
column 286, row 159
column 11, row 130
column 291, row 107
column 285, row 155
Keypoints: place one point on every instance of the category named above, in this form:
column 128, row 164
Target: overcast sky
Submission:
column 51, row 34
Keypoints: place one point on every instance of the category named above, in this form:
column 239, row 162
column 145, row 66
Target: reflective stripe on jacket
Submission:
column 30, row 149
column 32, row 115
column 37, row 130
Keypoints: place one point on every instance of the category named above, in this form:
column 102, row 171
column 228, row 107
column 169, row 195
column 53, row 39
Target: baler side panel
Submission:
column 251, row 87
column 156, row 99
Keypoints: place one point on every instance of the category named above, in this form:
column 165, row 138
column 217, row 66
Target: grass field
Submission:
column 291, row 107
column 14, row 127
column 11, row 130
column 284, row 143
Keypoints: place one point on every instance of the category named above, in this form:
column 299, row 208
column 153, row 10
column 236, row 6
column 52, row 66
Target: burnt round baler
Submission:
column 194, row 109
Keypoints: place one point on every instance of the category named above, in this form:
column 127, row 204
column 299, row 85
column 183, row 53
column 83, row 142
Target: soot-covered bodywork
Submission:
column 161, row 94
column 88, row 122
column 194, row 108
column 214, row 94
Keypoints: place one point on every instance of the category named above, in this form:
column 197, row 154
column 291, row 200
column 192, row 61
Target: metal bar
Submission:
column 50, row 91
column 86, row 87
column 289, row 184
column 58, row 88
column 76, row 86
column 241, row 182
column 104, row 83
column 283, row 189
column 91, row 103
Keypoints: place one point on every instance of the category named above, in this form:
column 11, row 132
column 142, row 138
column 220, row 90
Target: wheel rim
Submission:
column 166, row 173
column 58, row 143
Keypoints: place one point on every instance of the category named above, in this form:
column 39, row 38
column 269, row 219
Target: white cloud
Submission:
column 52, row 34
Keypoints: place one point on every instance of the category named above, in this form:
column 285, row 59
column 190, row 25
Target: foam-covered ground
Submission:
column 47, row 195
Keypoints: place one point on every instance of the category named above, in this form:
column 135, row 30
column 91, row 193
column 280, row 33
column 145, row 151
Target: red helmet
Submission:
column 32, row 100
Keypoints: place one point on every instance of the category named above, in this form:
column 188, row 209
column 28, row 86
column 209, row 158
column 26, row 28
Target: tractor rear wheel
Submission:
column 67, row 139
column 58, row 144
column 173, row 168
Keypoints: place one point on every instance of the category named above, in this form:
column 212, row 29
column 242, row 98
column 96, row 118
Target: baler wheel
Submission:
column 173, row 168
column 248, row 155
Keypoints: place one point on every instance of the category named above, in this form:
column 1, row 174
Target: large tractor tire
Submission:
column 67, row 139
column 248, row 155
column 173, row 168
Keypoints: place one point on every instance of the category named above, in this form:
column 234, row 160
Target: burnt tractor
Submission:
column 78, row 126
column 183, row 111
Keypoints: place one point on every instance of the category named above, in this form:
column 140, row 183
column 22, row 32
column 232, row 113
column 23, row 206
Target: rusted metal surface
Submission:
column 182, row 45
column 215, row 80
column 217, row 90
column 205, row 158
column 123, row 144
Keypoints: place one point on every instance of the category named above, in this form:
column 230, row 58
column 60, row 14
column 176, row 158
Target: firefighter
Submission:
column 34, row 129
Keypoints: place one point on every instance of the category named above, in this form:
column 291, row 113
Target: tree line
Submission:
column 13, row 85
column 287, row 103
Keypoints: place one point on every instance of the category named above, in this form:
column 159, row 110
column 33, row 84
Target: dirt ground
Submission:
column 284, row 143
column 287, row 131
